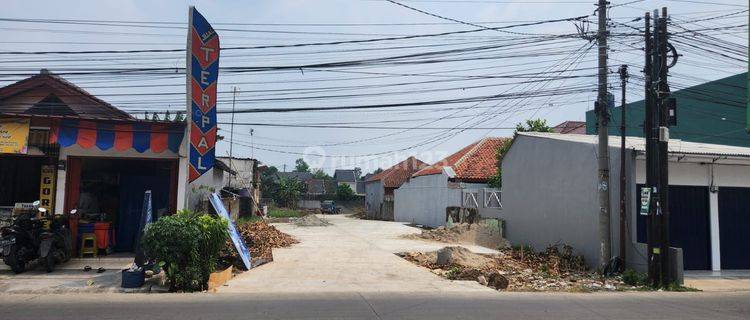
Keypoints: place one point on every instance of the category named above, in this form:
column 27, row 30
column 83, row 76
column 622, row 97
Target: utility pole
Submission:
column 659, row 116
column 662, row 94
column 623, row 71
column 252, row 146
column 648, row 128
column 231, row 134
column 603, row 150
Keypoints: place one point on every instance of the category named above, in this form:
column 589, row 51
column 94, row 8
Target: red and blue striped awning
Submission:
column 140, row 136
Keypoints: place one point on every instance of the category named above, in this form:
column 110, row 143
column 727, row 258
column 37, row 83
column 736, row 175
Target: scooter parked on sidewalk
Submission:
column 35, row 236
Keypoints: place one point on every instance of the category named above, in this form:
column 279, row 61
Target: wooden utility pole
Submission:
column 623, row 71
column 657, row 121
column 603, row 148
column 648, row 127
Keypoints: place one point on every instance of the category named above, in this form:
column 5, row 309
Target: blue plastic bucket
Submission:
column 133, row 279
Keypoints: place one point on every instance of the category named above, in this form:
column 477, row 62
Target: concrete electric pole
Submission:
column 623, row 71
column 603, row 152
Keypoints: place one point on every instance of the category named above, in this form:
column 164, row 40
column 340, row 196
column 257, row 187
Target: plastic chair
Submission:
column 88, row 244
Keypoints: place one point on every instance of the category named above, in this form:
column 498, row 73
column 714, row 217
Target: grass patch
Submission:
column 283, row 213
column 248, row 219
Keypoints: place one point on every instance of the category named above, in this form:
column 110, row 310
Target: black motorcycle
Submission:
column 29, row 238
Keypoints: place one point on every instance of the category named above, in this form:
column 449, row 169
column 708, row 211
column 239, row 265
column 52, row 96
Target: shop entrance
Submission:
column 20, row 179
column 108, row 194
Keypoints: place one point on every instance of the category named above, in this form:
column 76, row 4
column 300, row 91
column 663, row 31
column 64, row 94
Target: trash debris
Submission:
column 516, row 269
column 260, row 238
column 476, row 233
column 311, row 221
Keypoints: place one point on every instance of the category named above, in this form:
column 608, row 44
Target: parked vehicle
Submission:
column 35, row 236
column 329, row 207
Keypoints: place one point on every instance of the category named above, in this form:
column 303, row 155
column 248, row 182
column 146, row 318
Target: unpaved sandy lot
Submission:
column 349, row 255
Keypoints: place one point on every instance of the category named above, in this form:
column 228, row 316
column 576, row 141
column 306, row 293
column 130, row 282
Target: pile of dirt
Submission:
column 359, row 213
column 555, row 269
column 260, row 238
column 464, row 233
column 311, row 221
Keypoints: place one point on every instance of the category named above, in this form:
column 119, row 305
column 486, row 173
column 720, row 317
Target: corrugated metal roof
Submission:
column 676, row 146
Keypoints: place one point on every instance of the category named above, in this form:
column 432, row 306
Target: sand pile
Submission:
column 311, row 221
column 477, row 233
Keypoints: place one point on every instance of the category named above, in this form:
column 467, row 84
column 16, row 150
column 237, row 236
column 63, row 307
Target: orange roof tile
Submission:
column 475, row 162
column 396, row 175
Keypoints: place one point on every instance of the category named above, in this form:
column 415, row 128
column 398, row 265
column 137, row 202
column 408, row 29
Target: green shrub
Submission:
column 634, row 278
column 187, row 245
column 282, row 213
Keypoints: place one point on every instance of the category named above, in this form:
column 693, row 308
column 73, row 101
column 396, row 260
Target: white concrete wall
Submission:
column 373, row 197
column 423, row 199
column 244, row 168
column 549, row 195
column 691, row 172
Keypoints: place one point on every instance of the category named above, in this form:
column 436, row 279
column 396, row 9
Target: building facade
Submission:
column 550, row 197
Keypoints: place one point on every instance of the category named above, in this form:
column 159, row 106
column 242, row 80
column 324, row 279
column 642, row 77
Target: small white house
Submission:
column 458, row 181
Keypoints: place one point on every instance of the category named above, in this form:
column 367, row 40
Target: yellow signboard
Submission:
column 47, row 188
column 14, row 135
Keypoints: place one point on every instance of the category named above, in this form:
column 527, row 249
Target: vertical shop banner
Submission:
column 14, row 135
column 239, row 244
column 47, row 188
column 202, row 75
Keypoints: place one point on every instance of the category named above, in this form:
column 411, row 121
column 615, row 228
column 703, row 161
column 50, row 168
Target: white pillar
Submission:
column 714, row 221
column 60, row 184
column 182, row 185
column 60, row 192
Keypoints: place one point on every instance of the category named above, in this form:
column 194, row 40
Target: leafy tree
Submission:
column 320, row 174
column 288, row 192
column 344, row 192
column 357, row 172
column 301, row 166
column 378, row 170
column 532, row 125
column 268, row 184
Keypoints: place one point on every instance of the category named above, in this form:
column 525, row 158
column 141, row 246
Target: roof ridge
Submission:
column 474, row 149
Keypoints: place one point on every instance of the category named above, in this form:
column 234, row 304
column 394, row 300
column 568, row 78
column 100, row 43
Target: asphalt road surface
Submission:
column 474, row 305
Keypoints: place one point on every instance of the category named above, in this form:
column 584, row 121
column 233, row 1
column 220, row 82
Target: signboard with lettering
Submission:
column 47, row 188
column 202, row 76
column 14, row 135
column 645, row 200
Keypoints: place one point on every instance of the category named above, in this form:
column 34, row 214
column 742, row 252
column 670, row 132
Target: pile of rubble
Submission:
column 476, row 233
column 555, row 269
column 311, row 221
column 260, row 238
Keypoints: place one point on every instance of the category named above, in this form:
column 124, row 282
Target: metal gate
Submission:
column 734, row 227
column 689, row 225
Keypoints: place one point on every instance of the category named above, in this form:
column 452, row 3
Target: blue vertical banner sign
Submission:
column 202, row 75
column 239, row 244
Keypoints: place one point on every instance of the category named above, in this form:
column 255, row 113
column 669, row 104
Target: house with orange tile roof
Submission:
column 379, row 187
column 458, row 181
